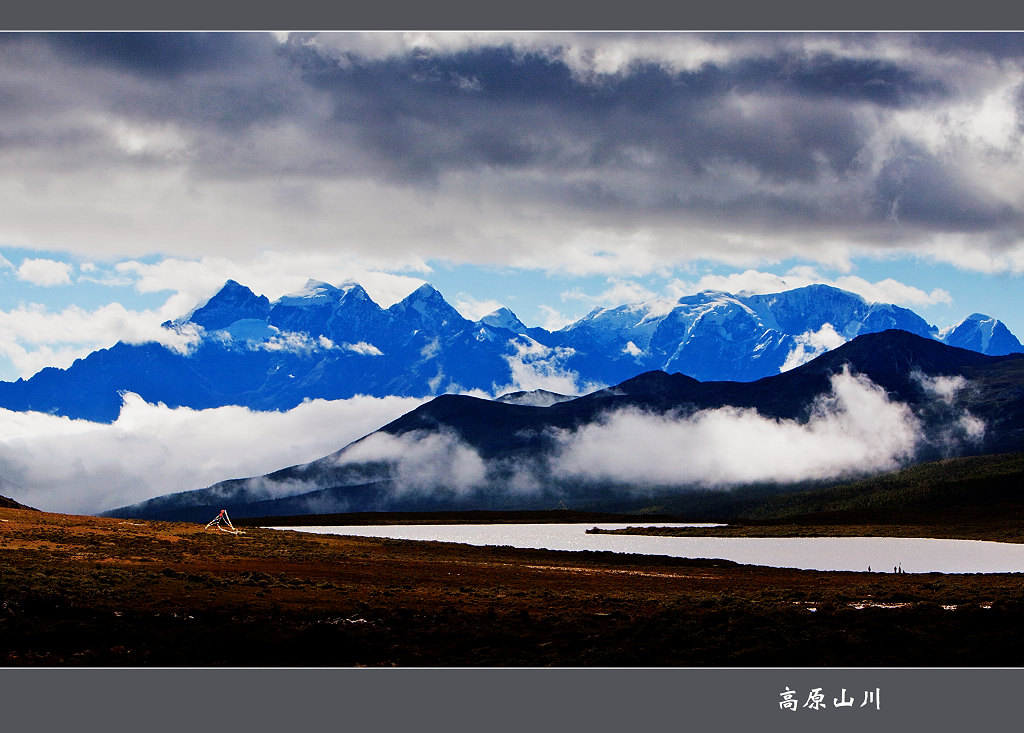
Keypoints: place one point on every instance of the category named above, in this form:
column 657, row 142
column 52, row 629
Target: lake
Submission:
column 914, row 555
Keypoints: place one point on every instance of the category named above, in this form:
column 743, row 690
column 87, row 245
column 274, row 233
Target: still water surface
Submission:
column 882, row 554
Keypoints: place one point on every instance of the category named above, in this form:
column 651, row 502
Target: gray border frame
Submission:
column 498, row 700
column 489, row 700
column 718, row 15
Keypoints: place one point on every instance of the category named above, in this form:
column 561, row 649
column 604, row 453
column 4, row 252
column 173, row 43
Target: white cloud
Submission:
column 269, row 273
column 90, row 272
column 854, row 429
column 618, row 292
column 28, row 361
column 32, row 337
column 47, row 273
column 423, row 462
column 546, row 242
column 757, row 282
column 290, row 341
column 554, row 320
column 812, row 344
column 958, row 425
column 363, row 348
column 748, row 281
column 535, row 366
column 960, row 252
column 977, row 130
column 943, row 387
column 473, row 309
column 75, row 466
column 164, row 140
column 262, row 337
column 891, row 291
column 430, row 350
column 586, row 54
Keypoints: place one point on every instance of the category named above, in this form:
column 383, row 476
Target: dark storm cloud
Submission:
column 830, row 79
column 993, row 45
column 424, row 114
column 914, row 187
column 164, row 54
column 505, row 111
column 191, row 78
column 776, row 130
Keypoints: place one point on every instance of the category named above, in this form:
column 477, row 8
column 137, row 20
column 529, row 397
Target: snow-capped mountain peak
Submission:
column 504, row 318
column 314, row 292
column 315, row 343
column 426, row 291
column 425, row 308
column 983, row 333
column 231, row 303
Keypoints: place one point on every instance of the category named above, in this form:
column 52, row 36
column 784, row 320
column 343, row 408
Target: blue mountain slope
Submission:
column 334, row 342
column 978, row 332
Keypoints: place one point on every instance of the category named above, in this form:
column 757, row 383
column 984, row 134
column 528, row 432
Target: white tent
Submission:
column 223, row 522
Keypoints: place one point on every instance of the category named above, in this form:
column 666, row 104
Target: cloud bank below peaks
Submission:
column 76, row 466
column 423, row 462
column 854, row 429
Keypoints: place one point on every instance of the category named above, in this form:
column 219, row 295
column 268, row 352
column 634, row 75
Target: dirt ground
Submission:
column 88, row 591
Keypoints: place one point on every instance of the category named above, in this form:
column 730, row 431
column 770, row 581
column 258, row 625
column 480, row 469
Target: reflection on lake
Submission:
column 882, row 554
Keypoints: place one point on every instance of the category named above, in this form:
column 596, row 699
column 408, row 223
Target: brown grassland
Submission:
column 90, row 591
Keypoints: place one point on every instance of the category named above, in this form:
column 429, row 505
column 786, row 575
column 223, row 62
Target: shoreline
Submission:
column 1008, row 533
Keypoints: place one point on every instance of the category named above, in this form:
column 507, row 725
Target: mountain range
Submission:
column 327, row 342
column 892, row 395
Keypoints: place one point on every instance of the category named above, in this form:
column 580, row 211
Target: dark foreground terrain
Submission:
column 98, row 591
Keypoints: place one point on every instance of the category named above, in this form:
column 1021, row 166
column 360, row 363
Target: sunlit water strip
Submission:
column 880, row 554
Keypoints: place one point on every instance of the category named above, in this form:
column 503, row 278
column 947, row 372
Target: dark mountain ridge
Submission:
column 509, row 436
column 893, row 360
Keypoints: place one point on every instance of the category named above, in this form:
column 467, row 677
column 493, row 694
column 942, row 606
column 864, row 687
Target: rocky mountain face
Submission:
column 332, row 342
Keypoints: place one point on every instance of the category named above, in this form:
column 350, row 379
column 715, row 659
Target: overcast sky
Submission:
column 547, row 172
